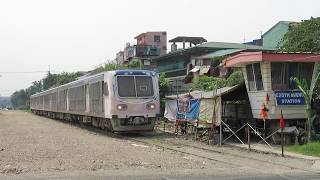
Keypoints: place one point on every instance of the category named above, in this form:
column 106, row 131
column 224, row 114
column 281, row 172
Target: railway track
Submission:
column 215, row 155
column 211, row 154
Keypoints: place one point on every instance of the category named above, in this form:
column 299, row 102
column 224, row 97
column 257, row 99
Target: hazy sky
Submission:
column 73, row 35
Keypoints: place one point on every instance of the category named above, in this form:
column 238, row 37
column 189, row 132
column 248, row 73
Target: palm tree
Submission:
column 308, row 93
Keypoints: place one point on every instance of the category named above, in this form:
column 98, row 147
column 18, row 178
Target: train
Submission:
column 118, row 101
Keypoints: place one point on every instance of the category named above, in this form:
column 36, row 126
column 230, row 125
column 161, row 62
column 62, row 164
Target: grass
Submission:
column 311, row 149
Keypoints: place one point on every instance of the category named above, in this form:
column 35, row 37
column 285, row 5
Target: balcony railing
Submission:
column 147, row 50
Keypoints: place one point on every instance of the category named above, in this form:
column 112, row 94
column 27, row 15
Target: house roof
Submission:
column 211, row 47
column 193, row 40
column 208, row 94
column 280, row 22
column 142, row 34
column 252, row 57
column 219, row 53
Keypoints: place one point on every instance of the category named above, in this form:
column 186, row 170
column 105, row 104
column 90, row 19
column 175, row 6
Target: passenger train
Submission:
column 121, row 100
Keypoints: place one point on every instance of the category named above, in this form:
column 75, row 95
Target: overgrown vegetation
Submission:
column 163, row 88
column 311, row 149
column 110, row 66
column 208, row 83
column 303, row 37
column 20, row 99
column 309, row 95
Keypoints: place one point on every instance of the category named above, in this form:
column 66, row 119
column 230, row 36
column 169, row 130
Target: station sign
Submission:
column 289, row 98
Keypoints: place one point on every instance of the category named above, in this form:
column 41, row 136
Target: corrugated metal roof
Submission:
column 212, row 46
column 280, row 22
column 227, row 45
column 219, row 53
column 206, row 94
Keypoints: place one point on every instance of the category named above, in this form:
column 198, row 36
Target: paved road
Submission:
column 34, row 147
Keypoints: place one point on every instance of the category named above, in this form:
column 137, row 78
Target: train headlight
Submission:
column 151, row 106
column 122, row 107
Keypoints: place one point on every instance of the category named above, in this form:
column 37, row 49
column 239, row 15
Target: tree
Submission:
column 163, row 84
column 110, row 66
column 163, row 88
column 49, row 81
column 208, row 83
column 235, row 78
column 308, row 92
column 302, row 37
column 19, row 99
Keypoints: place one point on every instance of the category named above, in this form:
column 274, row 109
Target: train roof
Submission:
column 115, row 72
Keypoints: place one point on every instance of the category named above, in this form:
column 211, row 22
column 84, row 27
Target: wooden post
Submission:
column 264, row 128
column 282, row 142
column 249, row 142
column 220, row 141
column 196, row 134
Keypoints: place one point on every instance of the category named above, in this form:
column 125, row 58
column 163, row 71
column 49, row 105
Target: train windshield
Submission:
column 135, row 86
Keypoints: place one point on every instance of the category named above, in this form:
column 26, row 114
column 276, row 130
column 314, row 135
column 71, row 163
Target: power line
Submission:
column 26, row 72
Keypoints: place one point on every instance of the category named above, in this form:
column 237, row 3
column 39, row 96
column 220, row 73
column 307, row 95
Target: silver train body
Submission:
column 121, row 100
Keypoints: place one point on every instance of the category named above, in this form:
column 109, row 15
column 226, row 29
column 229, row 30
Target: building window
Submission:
column 281, row 74
column 254, row 77
column 156, row 38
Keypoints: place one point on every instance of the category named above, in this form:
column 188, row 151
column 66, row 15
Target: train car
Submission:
column 121, row 100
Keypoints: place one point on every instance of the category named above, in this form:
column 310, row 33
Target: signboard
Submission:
column 288, row 98
column 187, row 109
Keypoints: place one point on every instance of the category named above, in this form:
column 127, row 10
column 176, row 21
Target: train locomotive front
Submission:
column 134, row 104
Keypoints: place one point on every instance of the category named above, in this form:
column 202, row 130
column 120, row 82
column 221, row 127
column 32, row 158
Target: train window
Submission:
column 126, row 86
column 105, row 89
column 135, row 86
column 144, row 86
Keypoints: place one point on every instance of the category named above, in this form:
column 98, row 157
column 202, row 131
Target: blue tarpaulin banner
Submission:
column 188, row 109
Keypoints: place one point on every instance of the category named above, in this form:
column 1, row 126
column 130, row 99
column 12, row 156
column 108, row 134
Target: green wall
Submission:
column 275, row 34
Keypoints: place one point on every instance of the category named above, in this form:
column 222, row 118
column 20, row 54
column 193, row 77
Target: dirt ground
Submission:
column 37, row 144
column 34, row 147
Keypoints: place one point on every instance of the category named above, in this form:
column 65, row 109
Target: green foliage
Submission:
column 235, row 78
column 304, row 37
column 309, row 94
column 311, row 149
column 163, row 84
column 207, row 83
column 65, row 78
column 163, row 88
column 110, row 66
column 20, row 99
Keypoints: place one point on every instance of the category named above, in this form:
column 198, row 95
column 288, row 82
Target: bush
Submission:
column 235, row 78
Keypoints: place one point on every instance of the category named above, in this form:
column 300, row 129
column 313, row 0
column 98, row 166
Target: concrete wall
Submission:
column 148, row 39
column 257, row 98
column 275, row 34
